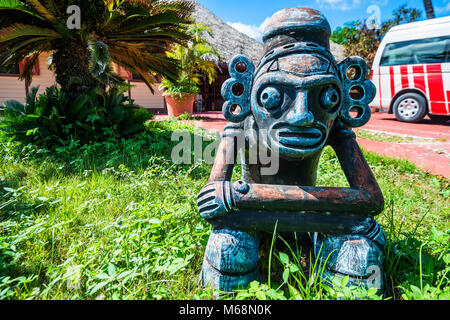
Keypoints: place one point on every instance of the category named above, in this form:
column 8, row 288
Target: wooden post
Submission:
column 429, row 9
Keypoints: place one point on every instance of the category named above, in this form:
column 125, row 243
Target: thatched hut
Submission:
column 229, row 42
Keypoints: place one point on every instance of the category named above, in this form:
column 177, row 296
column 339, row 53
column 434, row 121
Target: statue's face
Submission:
column 295, row 102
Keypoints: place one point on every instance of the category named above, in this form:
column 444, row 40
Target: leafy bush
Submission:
column 135, row 182
column 361, row 40
column 53, row 119
column 116, row 219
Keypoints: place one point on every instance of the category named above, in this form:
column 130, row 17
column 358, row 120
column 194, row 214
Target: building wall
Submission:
column 11, row 88
column 142, row 96
column 46, row 78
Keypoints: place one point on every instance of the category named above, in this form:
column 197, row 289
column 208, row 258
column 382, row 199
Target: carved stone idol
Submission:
column 295, row 102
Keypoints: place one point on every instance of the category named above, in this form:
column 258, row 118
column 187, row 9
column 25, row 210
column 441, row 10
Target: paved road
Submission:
column 426, row 128
column 432, row 154
column 426, row 144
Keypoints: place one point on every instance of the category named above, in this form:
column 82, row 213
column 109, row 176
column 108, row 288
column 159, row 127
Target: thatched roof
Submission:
column 227, row 40
column 230, row 42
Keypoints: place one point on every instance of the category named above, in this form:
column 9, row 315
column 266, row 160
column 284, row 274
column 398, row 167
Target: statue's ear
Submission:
column 357, row 92
column 237, row 90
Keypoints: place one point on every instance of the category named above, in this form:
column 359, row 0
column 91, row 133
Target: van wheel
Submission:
column 410, row 107
column 439, row 119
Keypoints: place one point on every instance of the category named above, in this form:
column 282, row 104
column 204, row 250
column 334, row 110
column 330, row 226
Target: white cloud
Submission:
column 444, row 9
column 382, row 3
column 253, row 31
column 343, row 5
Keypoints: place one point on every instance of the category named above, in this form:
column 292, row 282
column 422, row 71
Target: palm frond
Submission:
column 18, row 30
column 154, row 6
column 133, row 33
column 42, row 10
column 16, row 5
column 11, row 58
column 138, row 23
column 166, row 34
column 12, row 47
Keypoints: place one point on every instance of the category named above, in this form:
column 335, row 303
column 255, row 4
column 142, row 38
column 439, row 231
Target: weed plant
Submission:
column 117, row 219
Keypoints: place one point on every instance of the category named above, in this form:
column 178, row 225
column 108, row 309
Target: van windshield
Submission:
column 423, row 51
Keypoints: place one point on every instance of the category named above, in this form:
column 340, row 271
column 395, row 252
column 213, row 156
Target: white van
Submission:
column 411, row 71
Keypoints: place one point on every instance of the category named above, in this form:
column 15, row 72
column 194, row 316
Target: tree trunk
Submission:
column 71, row 60
column 429, row 9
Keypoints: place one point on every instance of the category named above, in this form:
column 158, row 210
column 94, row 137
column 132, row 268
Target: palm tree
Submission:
column 135, row 34
column 429, row 9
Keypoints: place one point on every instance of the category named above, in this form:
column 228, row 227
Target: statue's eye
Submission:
column 329, row 98
column 271, row 98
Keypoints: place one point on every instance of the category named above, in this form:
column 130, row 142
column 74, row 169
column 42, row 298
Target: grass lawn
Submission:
column 393, row 138
column 118, row 220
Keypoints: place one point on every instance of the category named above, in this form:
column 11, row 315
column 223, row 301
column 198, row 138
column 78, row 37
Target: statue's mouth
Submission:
column 299, row 137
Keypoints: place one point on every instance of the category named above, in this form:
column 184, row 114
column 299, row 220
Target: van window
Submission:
column 423, row 51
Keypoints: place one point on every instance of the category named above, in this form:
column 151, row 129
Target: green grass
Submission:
column 188, row 116
column 389, row 137
column 118, row 220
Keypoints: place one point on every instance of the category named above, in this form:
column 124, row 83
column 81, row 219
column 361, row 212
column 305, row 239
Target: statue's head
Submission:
column 298, row 91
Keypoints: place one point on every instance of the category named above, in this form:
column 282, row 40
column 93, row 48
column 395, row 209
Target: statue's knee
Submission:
column 232, row 252
column 356, row 255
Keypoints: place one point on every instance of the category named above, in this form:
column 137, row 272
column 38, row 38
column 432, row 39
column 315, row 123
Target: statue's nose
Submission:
column 299, row 115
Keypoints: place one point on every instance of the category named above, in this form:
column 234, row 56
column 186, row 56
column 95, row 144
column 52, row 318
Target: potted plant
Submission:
column 179, row 96
column 196, row 61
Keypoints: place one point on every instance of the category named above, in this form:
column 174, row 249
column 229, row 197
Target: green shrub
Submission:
column 117, row 219
column 53, row 119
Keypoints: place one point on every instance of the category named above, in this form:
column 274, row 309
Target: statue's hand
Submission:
column 215, row 200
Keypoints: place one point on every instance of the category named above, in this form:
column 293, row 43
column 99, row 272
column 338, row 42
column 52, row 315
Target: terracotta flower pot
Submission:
column 177, row 106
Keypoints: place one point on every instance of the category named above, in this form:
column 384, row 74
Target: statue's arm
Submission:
column 364, row 196
column 215, row 199
column 356, row 169
column 225, row 160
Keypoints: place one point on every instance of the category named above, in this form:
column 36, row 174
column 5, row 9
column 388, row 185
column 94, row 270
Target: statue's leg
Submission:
column 231, row 260
column 358, row 255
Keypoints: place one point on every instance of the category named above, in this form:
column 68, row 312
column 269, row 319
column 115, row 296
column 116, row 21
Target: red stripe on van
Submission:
column 419, row 78
column 436, row 85
column 448, row 103
column 405, row 80
column 379, row 88
column 391, row 73
column 434, row 68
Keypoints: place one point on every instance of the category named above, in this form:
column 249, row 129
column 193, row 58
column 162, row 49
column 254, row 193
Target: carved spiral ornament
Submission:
column 236, row 91
column 357, row 92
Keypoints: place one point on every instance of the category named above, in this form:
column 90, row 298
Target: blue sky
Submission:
column 248, row 16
